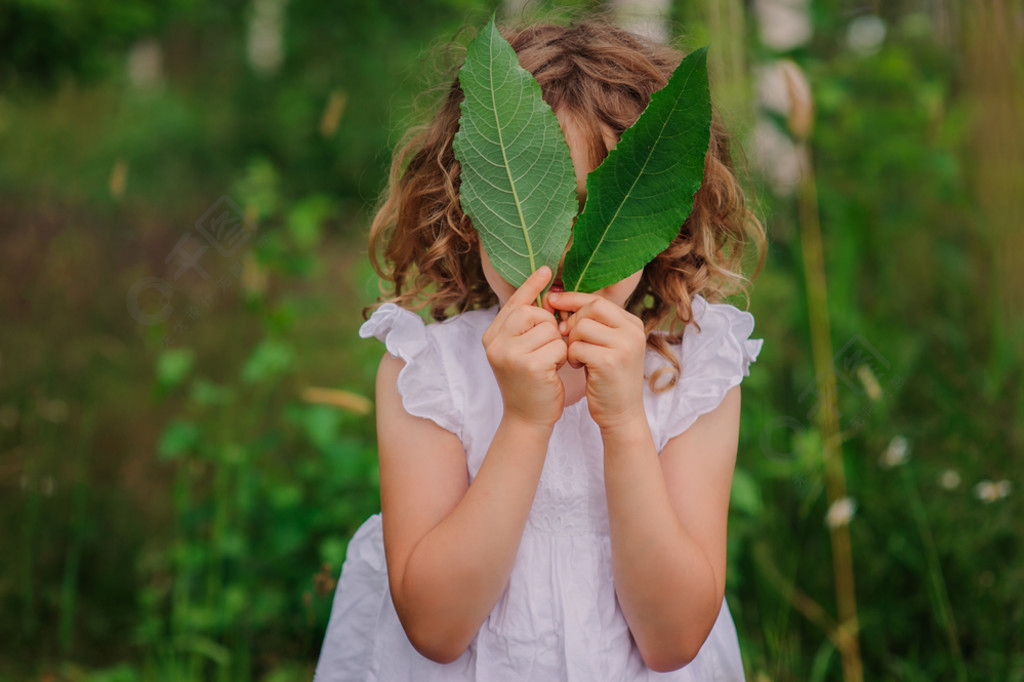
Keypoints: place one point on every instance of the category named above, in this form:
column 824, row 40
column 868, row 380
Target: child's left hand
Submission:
column 610, row 342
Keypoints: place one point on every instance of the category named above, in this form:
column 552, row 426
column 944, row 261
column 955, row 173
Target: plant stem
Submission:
column 828, row 413
column 941, row 594
column 798, row 599
column 29, row 620
column 69, row 584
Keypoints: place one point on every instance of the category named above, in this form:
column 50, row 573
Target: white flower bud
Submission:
column 840, row 512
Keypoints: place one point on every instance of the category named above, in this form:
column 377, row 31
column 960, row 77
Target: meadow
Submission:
column 186, row 419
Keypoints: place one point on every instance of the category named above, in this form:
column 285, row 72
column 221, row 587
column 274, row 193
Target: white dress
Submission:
column 558, row 619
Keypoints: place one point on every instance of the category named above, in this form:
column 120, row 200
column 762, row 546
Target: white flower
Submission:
column 989, row 492
column 266, row 31
column 840, row 513
column 648, row 18
column 776, row 156
column 950, row 479
column 865, row 34
column 895, row 454
column 870, row 382
column 783, row 88
column 784, row 24
column 145, row 64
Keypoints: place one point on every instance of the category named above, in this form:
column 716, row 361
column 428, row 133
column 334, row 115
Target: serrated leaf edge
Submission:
column 583, row 271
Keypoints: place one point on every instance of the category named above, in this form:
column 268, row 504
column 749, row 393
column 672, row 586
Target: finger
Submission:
column 581, row 353
column 591, row 331
column 531, row 288
column 564, row 304
column 522, row 318
column 523, row 296
column 608, row 314
column 570, row 301
column 536, row 337
column 591, row 305
column 553, row 352
column 546, row 304
column 514, row 320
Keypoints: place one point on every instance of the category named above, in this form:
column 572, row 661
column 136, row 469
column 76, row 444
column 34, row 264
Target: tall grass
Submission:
column 180, row 513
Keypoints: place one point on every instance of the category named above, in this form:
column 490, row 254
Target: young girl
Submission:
column 554, row 480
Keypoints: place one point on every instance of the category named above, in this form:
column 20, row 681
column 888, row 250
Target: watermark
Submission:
column 150, row 300
column 223, row 226
column 851, row 359
column 861, row 369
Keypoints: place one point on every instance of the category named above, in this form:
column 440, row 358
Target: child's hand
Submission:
column 525, row 350
column 611, row 343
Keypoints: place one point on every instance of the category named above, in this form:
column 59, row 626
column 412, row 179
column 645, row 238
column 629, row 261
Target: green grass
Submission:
column 180, row 513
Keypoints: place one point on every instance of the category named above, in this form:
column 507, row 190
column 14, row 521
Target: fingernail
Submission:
column 544, row 269
column 563, row 328
column 552, row 297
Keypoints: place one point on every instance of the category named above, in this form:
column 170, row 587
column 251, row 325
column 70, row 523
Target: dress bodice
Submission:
column 558, row 618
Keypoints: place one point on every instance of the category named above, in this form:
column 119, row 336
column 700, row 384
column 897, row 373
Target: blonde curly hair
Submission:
column 425, row 248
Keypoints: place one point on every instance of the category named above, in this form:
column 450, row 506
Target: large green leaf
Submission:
column 639, row 197
column 518, row 185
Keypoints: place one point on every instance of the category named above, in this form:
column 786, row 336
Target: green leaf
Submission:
column 173, row 367
column 206, row 393
column 518, row 185
column 306, row 219
column 642, row 193
column 746, row 495
column 269, row 359
column 179, row 438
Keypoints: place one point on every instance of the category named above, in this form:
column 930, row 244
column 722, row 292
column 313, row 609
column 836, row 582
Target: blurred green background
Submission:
column 186, row 435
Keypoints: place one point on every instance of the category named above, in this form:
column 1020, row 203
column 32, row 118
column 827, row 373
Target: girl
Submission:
column 554, row 480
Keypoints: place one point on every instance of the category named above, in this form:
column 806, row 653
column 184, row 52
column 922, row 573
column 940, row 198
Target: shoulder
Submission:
column 404, row 332
column 714, row 354
column 721, row 327
column 716, row 340
column 426, row 363
column 464, row 329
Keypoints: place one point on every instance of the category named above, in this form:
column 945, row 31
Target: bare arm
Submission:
column 667, row 513
column 450, row 546
column 668, row 530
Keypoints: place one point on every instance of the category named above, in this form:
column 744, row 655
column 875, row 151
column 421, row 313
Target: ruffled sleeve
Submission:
column 424, row 384
column 713, row 360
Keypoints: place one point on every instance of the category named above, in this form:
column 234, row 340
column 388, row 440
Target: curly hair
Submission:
column 602, row 77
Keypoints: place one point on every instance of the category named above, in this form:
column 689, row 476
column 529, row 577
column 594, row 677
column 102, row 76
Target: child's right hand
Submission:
column 525, row 350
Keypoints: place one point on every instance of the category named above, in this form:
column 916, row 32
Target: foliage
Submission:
column 45, row 41
column 516, row 181
column 643, row 191
column 169, row 509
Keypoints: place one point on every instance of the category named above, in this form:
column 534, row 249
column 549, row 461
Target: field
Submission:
column 186, row 427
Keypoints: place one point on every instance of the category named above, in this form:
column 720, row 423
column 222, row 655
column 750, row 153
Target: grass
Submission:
column 180, row 513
